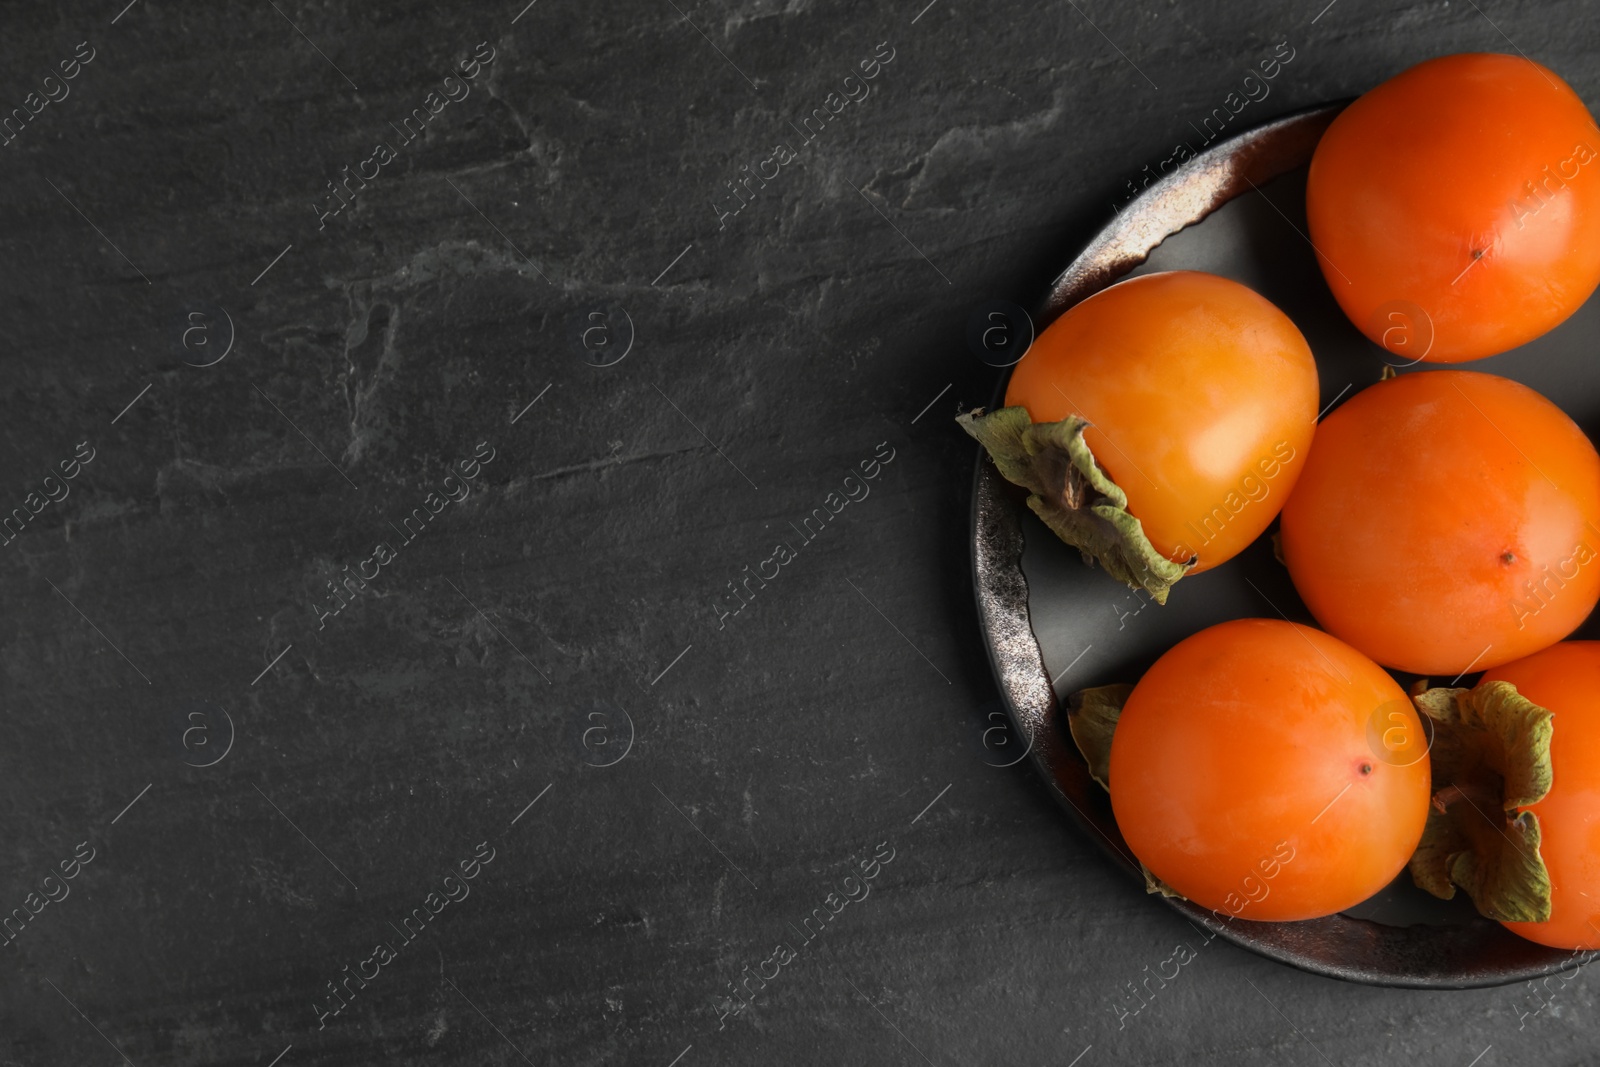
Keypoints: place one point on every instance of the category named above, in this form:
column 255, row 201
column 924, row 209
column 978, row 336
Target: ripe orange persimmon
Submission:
column 1445, row 521
column 1565, row 679
column 1201, row 399
column 1245, row 773
column 1455, row 209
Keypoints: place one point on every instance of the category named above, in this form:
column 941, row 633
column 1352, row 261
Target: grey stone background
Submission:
column 266, row 798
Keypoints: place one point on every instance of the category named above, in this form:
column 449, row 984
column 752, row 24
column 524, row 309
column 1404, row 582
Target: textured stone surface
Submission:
column 576, row 586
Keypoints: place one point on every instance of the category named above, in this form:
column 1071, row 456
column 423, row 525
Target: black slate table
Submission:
column 405, row 406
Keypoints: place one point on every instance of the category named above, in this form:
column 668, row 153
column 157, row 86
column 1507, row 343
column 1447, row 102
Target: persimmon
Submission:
column 1447, row 521
column 1244, row 774
column 1565, row 680
column 1455, row 209
column 1160, row 424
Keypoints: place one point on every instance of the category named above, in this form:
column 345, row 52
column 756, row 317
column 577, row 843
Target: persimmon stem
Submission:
column 1446, row 797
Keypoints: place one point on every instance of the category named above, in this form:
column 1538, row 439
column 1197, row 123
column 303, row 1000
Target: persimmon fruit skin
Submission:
column 1445, row 521
column 1565, row 679
column 1455, row 208
column 1202, row 400
column 1255, row 738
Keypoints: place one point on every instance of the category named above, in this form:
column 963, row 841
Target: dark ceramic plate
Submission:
column 1054, row 625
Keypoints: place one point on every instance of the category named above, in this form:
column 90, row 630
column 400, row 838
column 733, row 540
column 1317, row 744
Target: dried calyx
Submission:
column 1072, row 493
column 1092, row 716
column 1490, row 759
